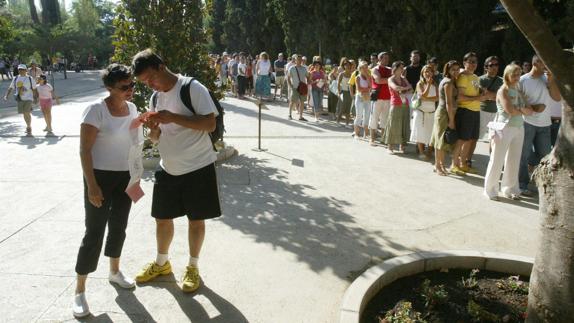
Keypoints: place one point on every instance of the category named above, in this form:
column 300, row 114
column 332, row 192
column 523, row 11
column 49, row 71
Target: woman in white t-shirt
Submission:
column 46, row 94
column 263, row 71
column 106, row 138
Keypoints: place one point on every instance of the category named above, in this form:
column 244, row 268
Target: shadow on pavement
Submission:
column 8, row 128
column 259, row 201
column 102, row 318
column 309, row 125
column 33, row 142
column 204, row 305
column 133, row 308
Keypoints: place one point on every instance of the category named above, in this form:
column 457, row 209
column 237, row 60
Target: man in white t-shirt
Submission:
column 186, row 184
column 25, row 88
column 539, row 89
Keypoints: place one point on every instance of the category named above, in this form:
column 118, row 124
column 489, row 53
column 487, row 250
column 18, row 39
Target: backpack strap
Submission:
column 153, row 99
column 184, row 94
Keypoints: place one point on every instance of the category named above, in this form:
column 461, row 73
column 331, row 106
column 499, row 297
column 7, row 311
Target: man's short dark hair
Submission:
column 490, row 59
column 432, row 60
column 416, row 52
column 381, row 54
column 145, row 59
column 114, row 73
column 373, row 54
column 468, row 56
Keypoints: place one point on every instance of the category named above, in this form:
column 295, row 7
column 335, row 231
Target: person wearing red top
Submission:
column 380, row 112
column 398, row 124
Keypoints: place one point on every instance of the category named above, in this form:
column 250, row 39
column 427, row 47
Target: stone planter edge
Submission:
column 366, row 286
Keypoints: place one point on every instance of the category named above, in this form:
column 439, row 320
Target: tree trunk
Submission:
column 551, row 296
column 33, row 12
column 51, row 12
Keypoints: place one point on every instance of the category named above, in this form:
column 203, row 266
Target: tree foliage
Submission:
column 174, row 29
column 355, row 28
column 85, row 30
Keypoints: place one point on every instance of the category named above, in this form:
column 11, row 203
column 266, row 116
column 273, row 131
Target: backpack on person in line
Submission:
column 17, row 92
column 185, row 97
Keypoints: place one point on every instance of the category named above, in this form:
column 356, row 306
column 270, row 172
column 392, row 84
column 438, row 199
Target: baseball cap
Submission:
column 22, row 67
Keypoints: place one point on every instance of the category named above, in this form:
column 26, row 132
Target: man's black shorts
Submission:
column 467, row 124
column 194, row 194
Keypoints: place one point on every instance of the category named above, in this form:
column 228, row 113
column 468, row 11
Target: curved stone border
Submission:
column 225, row 153
column 364, row 288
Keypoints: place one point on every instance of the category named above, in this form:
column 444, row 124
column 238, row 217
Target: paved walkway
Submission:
column 75, row 84
column 301, row 220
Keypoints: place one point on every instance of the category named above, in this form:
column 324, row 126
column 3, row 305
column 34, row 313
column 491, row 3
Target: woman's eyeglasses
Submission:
column 126, row 87
column 492, row 65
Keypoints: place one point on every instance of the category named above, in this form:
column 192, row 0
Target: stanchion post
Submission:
column 259, row 103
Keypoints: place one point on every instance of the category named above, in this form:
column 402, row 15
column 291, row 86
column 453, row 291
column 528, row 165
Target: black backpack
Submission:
column 185, row 97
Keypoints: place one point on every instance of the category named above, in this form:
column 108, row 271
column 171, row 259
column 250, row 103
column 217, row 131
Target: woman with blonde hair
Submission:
column 423, row 114
column 507, row 133
column 263, row 81
column 397, row 129
column 444, row 115
column 362, row 100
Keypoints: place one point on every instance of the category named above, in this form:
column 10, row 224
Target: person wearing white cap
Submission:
column 25, row 94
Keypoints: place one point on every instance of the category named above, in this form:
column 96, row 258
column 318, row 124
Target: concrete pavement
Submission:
column 300, row 222
column 82, row 83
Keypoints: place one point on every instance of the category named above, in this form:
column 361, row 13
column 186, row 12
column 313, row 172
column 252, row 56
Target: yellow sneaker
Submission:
column 152, row 270
column 191, row 280
column 470, row 170
column 457, row 171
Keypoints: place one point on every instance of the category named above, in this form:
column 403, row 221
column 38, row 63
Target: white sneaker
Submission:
column 121, row 280
column 80, row 307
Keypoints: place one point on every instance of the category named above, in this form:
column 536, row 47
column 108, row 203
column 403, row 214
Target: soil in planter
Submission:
column 450, row 296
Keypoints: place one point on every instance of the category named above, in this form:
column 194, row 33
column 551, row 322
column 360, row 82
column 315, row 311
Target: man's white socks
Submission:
column 161, row 259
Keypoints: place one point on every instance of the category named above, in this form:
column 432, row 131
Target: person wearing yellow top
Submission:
column 467, row 118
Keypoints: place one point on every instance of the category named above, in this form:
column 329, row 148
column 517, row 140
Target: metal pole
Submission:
column 259, row 130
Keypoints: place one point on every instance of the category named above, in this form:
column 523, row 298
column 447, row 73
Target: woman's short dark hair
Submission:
column 115, row 73
column 145, row 59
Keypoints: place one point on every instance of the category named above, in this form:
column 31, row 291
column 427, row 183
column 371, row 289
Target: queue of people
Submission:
column 443, row 112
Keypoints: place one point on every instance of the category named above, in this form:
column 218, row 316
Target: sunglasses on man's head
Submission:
column 126, row 87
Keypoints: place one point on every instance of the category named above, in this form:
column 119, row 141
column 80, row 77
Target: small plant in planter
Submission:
column 402, row 313
column 433, row 295
column 513, row 284
column 471, row 282
column 150, row 150
column 479, row 314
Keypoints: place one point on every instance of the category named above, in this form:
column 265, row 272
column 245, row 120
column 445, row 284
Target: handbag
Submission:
column 333, row 87
column 450, row 136
column 302, row 88
column 375, row 94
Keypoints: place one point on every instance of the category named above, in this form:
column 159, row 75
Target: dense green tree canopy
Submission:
column 355, row 28
column 85, row 29
column 173, row 29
